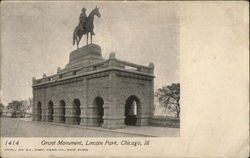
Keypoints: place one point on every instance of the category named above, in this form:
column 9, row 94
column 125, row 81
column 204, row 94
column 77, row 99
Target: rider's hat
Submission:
column 83, row 9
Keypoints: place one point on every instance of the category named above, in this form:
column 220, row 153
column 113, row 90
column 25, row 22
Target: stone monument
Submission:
column 93, row 91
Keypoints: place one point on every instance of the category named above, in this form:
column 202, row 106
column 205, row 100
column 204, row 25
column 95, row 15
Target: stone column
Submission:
column 113, row 118
column 143, row 116
column 146, row 106
column 92, row 118
column 50, row 114
column 35, row 116
column 151, row 106
column 34, row 106
column 70, row 117
column 58, row 116
column 44, row 114
column 84, row 105
column 116, row 119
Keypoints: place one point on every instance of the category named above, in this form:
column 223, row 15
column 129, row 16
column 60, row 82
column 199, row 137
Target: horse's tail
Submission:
column 74, row 37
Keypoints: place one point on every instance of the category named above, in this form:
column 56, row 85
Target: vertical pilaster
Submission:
column 84, row 105
column 92, row 118
column 50, row 114
column 151, row 106
column 35, row 116
column 34, row 107
column 70, row 118
column 44, row 115
column 44, row 106
column 58, row 115
column 34, row 113
column 112, row 116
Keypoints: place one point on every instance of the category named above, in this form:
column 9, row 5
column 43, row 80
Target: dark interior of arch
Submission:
column 51, row 111
column 100, row 110
column 77, row 106
column 131, row 110
column 62, row 109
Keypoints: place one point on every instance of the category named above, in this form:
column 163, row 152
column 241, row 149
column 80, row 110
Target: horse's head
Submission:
column 96, row 12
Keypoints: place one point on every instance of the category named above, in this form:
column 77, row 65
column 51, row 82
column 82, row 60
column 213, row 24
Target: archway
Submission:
column 50, row 111
column 98, row 102
column 77, row 108
column 62, row 110
column 39, row 111
column 132, row 109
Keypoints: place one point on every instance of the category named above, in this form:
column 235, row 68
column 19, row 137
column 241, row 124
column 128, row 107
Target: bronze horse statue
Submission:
column 88, row 28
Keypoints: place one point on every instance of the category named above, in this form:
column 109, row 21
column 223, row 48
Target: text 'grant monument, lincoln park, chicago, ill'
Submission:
column 92, row 91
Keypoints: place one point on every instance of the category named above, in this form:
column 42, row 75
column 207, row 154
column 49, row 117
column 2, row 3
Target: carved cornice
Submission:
column 133, row 75
column 96, row 74
column 106, row 65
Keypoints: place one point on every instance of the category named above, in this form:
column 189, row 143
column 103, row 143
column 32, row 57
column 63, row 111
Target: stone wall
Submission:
column 162, row 121
column 70, row 95
column 113, row 87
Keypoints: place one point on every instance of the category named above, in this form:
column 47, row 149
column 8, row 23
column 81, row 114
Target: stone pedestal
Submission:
column 88, row 76
column 84, row 56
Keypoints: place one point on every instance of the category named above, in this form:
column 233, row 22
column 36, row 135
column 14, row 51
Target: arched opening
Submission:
column 39, row 111
column 77, row 107
column 62, row 110
column 131, row 110
column 98, row 102
column 50, row 111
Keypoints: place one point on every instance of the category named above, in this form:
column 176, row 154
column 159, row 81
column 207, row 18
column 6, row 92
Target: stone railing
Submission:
column 112, row 62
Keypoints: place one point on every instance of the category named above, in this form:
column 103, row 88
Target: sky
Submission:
column 36, row 38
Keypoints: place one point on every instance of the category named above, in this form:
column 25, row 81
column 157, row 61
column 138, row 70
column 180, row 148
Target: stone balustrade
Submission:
column 111, row 63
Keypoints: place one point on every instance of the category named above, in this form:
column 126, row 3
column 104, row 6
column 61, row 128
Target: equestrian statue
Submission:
column 85, row 26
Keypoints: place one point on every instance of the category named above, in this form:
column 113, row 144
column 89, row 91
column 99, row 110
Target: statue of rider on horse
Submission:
column 85, row 26
column 83, row 19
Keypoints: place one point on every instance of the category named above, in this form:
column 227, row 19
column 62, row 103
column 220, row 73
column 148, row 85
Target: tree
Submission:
column 169, row 97
column 1, row 109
